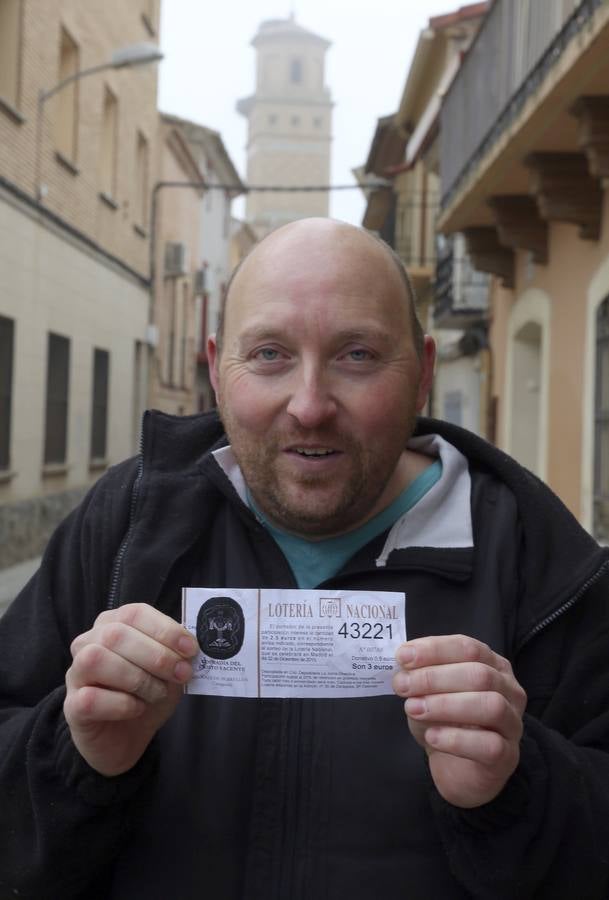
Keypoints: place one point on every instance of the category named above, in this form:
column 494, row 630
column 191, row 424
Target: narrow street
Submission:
column 13, row 579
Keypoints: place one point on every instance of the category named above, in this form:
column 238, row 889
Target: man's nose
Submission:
column 312, row 403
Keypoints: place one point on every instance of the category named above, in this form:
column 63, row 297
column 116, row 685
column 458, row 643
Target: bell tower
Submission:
column 289, row 125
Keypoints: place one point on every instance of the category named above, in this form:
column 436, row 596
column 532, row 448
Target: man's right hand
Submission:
column 125, row 681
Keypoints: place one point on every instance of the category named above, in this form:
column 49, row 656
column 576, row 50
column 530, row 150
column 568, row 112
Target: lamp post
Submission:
column 125, row 57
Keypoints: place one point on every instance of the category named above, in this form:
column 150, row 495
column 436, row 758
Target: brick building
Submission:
column 75, row 177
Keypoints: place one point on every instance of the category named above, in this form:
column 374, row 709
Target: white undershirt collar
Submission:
column 442, row 517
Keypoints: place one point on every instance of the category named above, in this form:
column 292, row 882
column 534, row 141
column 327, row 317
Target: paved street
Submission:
column 13, row 579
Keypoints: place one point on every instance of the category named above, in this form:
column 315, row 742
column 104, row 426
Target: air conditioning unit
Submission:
column 152, row 335
column 175, row 259
column 200, row 281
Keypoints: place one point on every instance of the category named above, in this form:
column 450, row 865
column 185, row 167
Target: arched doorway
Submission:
column 526, row 395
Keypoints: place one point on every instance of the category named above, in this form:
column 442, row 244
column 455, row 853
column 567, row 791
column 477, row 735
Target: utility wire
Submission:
column 277, row 188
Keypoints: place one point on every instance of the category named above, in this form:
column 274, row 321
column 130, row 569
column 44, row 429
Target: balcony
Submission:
column 460, row 292
column 524, row 129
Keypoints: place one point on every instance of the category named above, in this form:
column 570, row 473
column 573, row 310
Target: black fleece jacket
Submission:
column 302, row 798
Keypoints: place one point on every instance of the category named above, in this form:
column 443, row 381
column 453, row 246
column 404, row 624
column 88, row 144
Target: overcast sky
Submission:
column 209, row 65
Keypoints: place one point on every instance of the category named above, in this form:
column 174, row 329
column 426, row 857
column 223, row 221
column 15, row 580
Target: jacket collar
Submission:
column 559, row 558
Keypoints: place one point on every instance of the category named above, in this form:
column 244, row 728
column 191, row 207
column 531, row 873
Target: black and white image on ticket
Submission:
column 293, row 643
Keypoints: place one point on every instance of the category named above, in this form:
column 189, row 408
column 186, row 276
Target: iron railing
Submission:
column 519, row 42
column 460, row 292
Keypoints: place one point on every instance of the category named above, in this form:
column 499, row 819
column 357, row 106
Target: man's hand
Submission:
column 125, row 681
column 465, row 709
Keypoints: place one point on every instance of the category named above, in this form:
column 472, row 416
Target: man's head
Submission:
column 409, row 297
column 319, row 375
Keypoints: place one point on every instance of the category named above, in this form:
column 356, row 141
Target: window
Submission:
column 99, row 404
column 601, row 426
column 272, row 119
column 58, row 378
column 295, row 120
column 109, row 134
column 227, row 216
column 296, row 71
column 10, row 27
column 7, row 337
column 171, row 334
column 318, row 121
column 209, row 194
column 141, row 180
column 66, row 100
column 184, row 336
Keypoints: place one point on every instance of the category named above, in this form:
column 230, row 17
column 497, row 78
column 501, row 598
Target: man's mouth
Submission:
column 314, row 451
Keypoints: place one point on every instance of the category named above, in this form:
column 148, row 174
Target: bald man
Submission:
column 486, row 774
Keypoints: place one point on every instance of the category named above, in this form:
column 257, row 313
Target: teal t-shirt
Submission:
column 313, row 562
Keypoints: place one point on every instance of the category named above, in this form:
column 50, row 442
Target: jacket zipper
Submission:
column 118, row 559
column 565, row 606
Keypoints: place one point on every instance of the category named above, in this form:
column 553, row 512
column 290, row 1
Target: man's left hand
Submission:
column 465, row 709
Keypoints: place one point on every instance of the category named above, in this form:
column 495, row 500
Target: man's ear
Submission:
column 428, row 361
column 213, row 358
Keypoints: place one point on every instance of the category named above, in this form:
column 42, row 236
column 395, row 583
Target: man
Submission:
column 115, row 785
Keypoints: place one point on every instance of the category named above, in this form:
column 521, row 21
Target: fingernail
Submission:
column 187, row 646
column 402, row 682
column 406, row 655
column 182, row 671
column 416, row 707
column 432, row 736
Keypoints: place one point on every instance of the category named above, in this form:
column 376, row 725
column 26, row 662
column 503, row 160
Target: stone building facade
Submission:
column 289, row 125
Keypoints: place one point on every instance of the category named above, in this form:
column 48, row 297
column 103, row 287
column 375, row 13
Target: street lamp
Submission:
column 125, row 57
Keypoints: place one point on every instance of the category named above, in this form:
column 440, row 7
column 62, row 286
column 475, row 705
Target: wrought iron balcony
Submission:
column 460, row 293
column 518, row 44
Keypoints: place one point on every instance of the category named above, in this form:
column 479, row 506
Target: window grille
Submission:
column 99, row 404
column 7, row 337
column 58, row 378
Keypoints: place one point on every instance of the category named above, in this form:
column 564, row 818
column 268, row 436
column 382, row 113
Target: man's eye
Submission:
column 267, row 354
column 359, row 355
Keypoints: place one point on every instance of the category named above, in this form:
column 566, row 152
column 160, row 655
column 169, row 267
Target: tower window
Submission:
column 296, row 71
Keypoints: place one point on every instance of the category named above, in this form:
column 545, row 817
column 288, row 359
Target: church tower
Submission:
column 289, row 125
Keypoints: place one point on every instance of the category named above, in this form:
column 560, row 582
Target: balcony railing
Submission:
column 518, row 43
column 460, row 292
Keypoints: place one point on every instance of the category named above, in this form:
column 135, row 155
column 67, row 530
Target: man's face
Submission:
column 318, row 382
